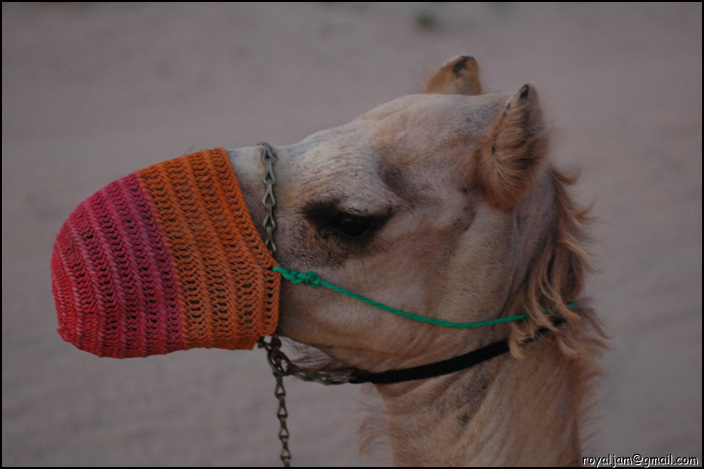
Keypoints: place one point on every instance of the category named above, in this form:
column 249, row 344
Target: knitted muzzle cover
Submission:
column 165, row 259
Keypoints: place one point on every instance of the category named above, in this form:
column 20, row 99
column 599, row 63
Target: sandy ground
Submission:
column 93, row 92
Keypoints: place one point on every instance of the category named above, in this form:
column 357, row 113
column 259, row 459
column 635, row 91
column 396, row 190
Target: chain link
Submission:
column 269, row 201
column 276, row 361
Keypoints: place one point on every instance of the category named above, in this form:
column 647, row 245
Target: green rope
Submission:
column 313, row 280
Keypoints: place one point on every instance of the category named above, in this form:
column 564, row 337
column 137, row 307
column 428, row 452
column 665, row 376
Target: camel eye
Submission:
column 353, row 225
column 350, row 227
column 332, row 222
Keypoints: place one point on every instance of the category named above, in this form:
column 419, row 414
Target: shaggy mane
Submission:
column 556, row 278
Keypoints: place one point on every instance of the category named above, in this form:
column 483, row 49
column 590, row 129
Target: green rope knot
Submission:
column 309, row 278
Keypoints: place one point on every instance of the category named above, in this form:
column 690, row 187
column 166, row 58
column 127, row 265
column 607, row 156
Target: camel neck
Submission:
column 506, row 411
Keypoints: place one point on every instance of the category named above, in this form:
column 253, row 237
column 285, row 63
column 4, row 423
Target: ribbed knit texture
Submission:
column 165, row 259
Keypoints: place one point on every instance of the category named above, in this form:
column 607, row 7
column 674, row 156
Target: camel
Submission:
column 445, row 204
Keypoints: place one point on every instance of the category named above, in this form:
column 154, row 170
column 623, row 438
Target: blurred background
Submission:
column 91, row 92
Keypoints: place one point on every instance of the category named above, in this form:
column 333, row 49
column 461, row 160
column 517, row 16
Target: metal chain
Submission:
column 275, row 359
column 282, row 365
column 278, row 361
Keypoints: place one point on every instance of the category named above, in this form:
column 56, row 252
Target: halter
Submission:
column 282, row 365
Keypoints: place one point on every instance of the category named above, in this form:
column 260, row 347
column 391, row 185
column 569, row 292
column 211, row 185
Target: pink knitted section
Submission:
column 123, row 295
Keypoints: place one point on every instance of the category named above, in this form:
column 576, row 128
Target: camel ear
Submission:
column 458, row 76
column 506, row 163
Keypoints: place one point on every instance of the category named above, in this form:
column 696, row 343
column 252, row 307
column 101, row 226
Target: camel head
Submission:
column 441, row 204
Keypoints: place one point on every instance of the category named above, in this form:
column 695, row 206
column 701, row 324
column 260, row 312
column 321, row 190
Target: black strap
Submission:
column 435, row 369
column 445, row 367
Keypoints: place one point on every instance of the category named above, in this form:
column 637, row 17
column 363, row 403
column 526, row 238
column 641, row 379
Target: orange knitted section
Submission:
column 227, row 289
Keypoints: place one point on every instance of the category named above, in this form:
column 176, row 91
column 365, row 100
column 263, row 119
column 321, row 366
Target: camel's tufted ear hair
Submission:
column 457, row 76
column 506, row 164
